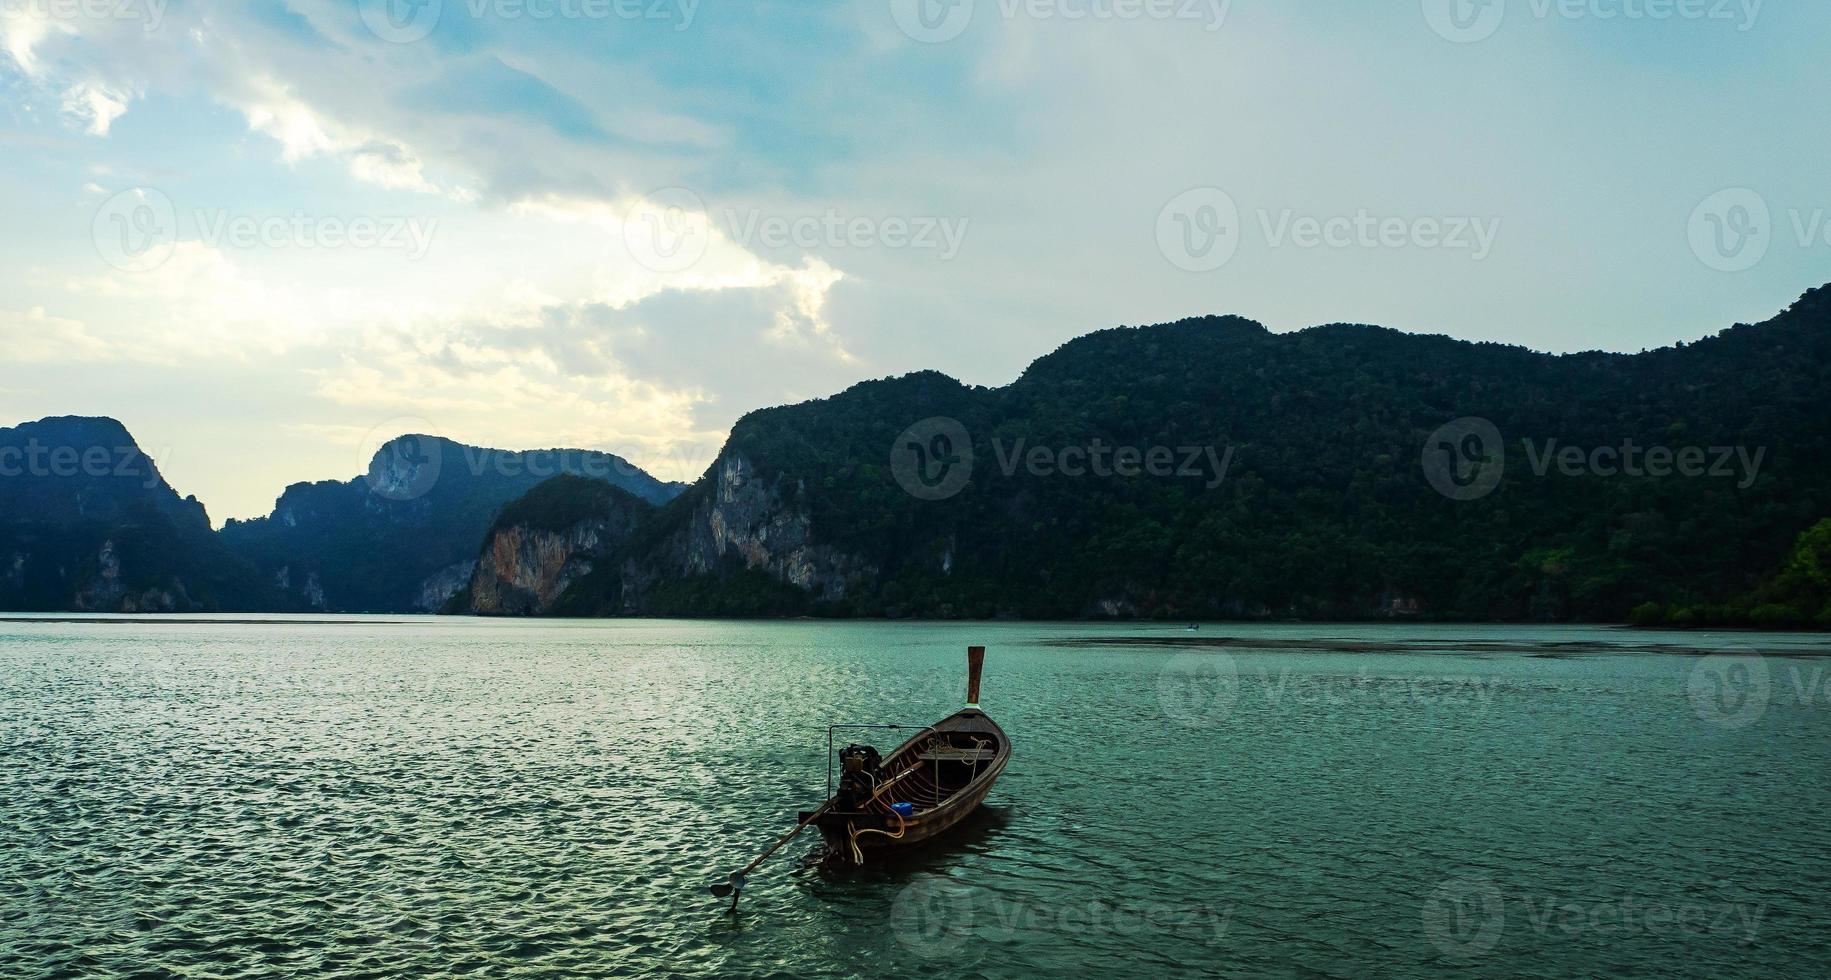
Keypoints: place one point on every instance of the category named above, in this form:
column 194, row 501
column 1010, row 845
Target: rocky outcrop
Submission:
column 524, row 571
column 742, row 521
column 545, row 542
column 105, row 591
column 309, row 593
column 751, row 520
column 439, row 587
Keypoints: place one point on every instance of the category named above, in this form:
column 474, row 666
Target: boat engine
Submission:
column 860, row 769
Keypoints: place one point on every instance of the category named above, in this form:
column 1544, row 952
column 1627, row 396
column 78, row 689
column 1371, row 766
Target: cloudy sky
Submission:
column 268, row 235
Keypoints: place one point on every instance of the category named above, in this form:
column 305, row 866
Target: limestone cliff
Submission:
column 524, row 571
column 546, row 541
column 750, row 520
column 439, row 587
column 737, row 521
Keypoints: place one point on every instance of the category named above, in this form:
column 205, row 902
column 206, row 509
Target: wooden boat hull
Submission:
column 952, row 743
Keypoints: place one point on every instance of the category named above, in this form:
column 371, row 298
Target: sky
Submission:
column 268, row 236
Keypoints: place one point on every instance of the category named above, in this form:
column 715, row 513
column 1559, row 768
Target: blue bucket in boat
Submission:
column 904, row 810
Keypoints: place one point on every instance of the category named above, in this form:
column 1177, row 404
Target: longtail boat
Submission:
column 927, row 785
column 930, row 783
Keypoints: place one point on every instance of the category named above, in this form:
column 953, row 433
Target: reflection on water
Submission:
column 438, row 797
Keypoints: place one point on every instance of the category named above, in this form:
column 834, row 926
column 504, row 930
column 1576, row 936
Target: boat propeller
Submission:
column 733, row 887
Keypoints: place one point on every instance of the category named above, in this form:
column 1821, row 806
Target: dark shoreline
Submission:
column 1163, row 634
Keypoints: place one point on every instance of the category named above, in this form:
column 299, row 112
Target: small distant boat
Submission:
column 926, row 786
column 1193, row 627
column 922, row 789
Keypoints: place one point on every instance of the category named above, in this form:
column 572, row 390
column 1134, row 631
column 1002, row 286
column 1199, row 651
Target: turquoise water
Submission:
column 452, row 797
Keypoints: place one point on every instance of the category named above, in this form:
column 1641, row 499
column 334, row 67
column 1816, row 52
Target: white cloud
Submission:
column 22, row 29
column 94, row 106
column 34, row 337
column 302, row 132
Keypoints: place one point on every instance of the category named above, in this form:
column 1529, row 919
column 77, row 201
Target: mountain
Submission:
column 1340, row 471
column 545, row 541
column 403, row 536
column 88, row 524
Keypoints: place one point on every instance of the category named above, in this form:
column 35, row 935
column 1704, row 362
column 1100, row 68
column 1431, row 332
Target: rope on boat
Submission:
column 932, row 794
column 853, row 834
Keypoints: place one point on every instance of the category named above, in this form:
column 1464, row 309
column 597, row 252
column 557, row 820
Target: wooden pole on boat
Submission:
column 734, row 886
column 975, row 661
